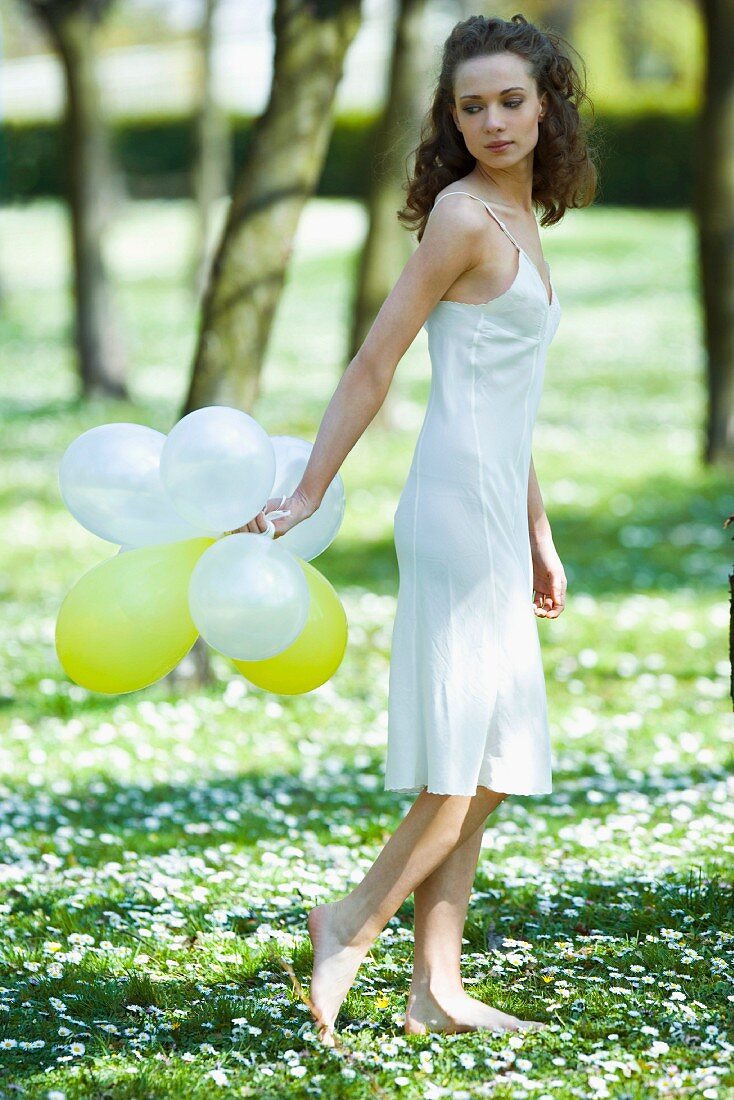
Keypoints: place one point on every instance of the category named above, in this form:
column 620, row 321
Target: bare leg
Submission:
column 437, row 999
column 343, row 931
column 441, row 904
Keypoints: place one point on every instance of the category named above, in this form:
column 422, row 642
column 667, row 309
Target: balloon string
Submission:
column 278, row 512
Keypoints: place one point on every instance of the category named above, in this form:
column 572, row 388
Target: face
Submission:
column 496, row 100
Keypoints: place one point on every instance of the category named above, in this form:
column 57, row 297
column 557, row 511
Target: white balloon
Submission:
column 218, row 466
column 248, row 598
column 109, row 479
column 311, row 536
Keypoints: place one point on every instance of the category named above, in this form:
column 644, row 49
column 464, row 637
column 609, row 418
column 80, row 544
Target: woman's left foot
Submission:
column 459, row 1012
column 336, row 960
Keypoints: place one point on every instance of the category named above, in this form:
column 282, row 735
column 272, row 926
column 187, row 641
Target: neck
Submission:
column 516, row 202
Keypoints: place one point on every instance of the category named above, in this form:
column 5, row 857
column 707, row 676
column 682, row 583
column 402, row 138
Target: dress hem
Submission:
column 465, row 794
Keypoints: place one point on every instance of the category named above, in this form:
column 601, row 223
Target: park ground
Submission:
column 160, row 850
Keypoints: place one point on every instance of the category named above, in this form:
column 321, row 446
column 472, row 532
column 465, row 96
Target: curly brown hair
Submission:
column 564, row 169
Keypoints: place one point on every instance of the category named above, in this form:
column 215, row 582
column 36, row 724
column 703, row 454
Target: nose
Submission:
column 490, row 125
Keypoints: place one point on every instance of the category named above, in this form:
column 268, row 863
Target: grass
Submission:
column 161, row 849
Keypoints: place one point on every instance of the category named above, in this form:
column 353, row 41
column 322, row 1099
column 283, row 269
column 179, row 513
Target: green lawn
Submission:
column 160, row 849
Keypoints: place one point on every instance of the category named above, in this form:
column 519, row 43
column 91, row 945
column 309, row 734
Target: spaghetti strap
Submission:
column 499, row 221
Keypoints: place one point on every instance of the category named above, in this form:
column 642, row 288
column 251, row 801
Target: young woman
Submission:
column 467, row 721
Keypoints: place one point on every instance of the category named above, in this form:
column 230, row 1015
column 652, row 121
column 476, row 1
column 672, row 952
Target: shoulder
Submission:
column 457, row 207
column 455, row 224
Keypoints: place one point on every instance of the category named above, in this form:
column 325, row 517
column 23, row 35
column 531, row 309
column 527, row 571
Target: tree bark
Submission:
column 560, row 16
column 288, row 148
column 731, row 637
column 101, row 357
column 714, row 201
column 212, row 165
column 193, row 673
column 387, row 245
column 210, row 175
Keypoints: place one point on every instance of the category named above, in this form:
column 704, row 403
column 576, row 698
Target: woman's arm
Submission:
column 549, row 576
column 354, row 404
column 538, row 525
column 449, row 246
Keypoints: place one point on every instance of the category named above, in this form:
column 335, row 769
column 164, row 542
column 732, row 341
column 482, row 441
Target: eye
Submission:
column 508, row 103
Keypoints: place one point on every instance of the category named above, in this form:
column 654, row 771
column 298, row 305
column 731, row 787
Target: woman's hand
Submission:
column 298, row 505
column 549, row 580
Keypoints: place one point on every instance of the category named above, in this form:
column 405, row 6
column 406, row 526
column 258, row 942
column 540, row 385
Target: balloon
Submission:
column 109, row 479
column 311, row 536
column 316, row 653
column 218, row 466
column 248, row 597
column 126, row 622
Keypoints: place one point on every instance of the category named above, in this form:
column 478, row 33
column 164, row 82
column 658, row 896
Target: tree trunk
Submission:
column 387, row 245
column 557, row 15
column 731, row 637
column 192, row 673
column 212, row 165
column 99, row 345
column 288, row 147
column 560, row 16
column 727, row 523
column 714, row 201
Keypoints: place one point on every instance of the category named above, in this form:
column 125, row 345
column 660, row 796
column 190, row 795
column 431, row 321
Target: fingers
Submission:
column 255, row 526
column 259, row 524
column 557, row 601
column 547, row 606
column 275, row 502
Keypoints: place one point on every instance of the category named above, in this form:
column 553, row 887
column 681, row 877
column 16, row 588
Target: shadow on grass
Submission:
column 110, row 819
column 255, row 989
column 161, row 818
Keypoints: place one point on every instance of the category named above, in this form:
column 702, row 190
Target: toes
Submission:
column 326, row 1036
column 532, row 1025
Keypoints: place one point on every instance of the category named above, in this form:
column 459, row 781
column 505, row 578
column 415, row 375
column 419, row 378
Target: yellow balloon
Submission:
column 317, row 652
column 126, row 622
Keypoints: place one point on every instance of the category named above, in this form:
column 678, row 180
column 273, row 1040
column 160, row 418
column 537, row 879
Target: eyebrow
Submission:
column 515, row 88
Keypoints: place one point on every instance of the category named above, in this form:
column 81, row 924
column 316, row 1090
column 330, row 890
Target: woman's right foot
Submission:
column 336, row 961
column 459, row 1012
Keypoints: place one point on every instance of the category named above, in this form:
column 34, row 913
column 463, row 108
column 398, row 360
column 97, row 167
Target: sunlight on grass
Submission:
column 161, row 849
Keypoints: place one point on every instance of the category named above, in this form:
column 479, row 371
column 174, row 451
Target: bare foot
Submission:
column 459, row 1012
column 336, row 961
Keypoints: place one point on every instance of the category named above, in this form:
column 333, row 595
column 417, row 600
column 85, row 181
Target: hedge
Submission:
column 645, row 160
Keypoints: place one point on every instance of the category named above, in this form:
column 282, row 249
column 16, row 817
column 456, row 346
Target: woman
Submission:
column 467, row 707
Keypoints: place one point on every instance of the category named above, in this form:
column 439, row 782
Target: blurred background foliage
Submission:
column 646, row 156
column 644, row 64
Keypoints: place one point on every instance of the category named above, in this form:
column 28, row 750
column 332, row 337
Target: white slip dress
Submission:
column 466, row 698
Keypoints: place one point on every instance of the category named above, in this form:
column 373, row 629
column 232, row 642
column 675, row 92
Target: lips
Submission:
column 499, row 145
